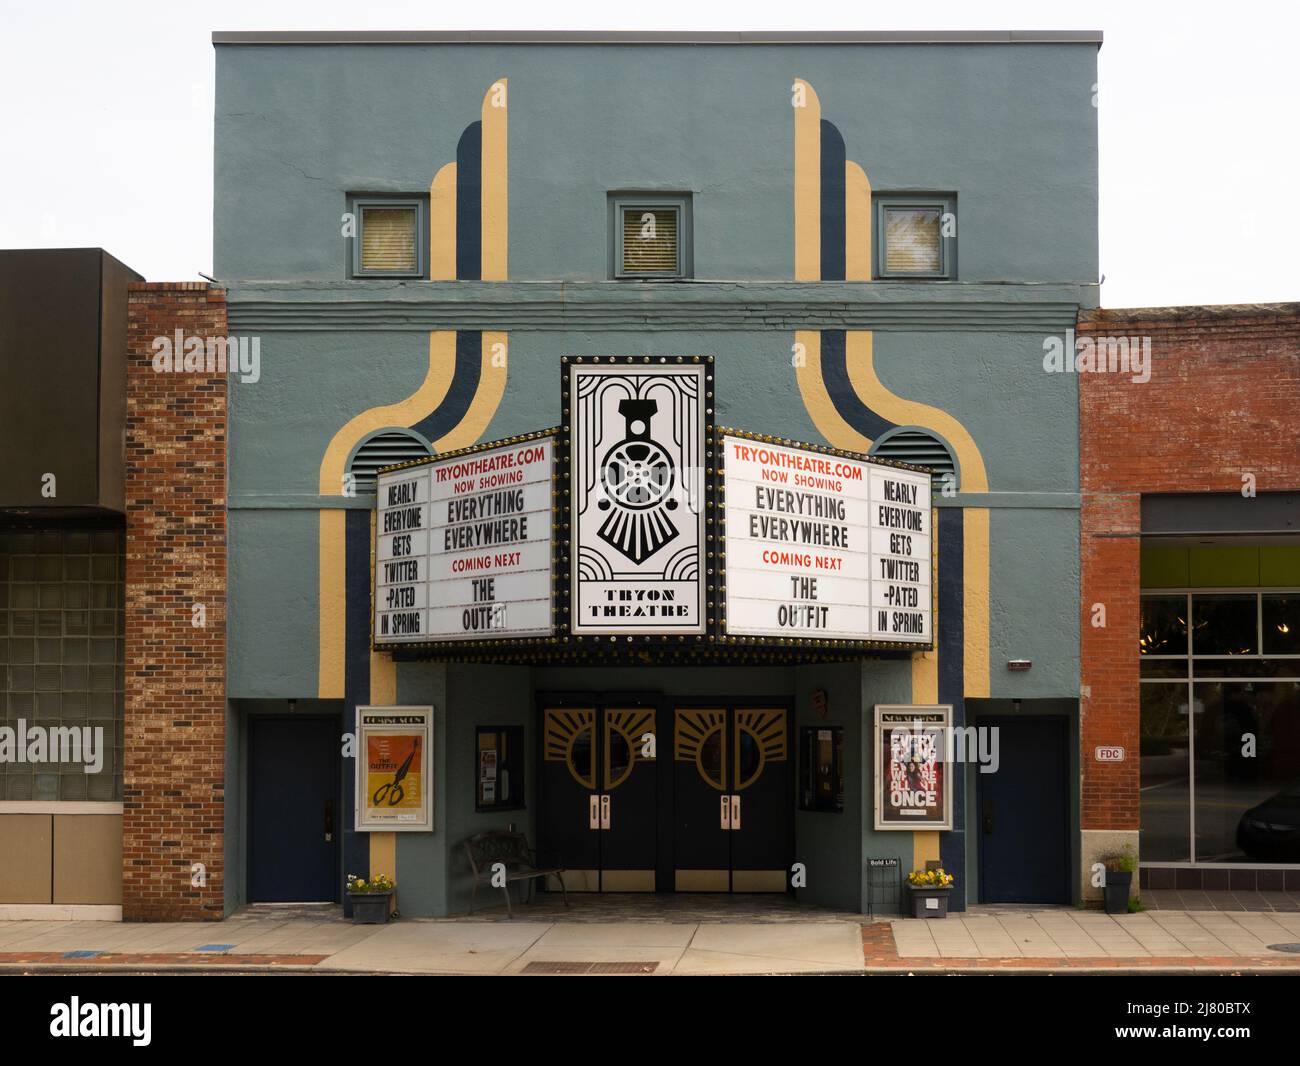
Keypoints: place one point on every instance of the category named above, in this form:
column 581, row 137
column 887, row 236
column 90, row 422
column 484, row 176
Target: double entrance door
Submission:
column 648, row 795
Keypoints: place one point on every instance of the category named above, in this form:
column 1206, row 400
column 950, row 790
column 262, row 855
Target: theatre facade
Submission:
column 649, row 450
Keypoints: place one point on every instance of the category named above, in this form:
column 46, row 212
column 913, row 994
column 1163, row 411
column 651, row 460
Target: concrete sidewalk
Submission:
column 1046, row 939
column 442, row 947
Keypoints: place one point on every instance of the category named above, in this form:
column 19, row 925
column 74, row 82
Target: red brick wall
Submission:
column 174, row 767
column 1222, row 401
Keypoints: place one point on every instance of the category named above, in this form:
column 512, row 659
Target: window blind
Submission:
column 388, row 239
column 650, row 241
column 912, row 240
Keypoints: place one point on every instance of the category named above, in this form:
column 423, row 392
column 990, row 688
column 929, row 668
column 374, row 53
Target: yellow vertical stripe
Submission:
column 424, row 401
column 807, row 355
column 925, row 665
column 383, row 854
column 857, row 223
column 383, row 670
column 442, row 225
column 807, row 182
column 333, row 576
column 872, row 392
column 925, row 848
column 975, row 612
column 495, row 209
column 333, row 600
column 491, row 387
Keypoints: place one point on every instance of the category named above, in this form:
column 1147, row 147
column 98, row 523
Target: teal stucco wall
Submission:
column 1009, row 130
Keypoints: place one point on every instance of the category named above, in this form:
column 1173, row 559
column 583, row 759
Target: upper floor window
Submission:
column 916, row 237
column 389, row 240
column 651, row 236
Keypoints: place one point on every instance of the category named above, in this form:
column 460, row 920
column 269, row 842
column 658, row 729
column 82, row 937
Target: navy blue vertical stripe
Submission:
column 832, row 198
column 835, row 375
column 356, row 679
column 460, row 394
column 950, row 643
column 469, row 204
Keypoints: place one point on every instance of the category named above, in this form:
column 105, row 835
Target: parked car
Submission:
column 1271, row 830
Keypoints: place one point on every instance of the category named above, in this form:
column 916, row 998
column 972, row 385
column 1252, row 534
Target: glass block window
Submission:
column 62, row 656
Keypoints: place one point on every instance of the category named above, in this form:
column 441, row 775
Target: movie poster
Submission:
column 393, row 767
column 913, row 779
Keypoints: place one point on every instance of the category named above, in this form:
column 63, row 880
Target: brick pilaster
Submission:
column 174, row 766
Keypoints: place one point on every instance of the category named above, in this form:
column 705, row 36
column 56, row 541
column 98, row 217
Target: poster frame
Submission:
column 422, row 728
column 880, row 736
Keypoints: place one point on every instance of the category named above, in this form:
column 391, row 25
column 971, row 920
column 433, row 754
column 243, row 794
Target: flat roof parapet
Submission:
column 283, row 37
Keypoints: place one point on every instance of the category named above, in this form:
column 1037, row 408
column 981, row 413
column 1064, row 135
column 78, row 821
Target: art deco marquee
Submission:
column 639, row 530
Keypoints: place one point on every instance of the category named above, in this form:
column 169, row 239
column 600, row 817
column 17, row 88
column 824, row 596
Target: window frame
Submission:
column 946, row 205
column 357, row 205
column 1189, row 680
column 623, row 201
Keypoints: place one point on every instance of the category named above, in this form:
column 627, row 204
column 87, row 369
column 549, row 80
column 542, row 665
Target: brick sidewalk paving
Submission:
column 1063, row 939
column 73, row 959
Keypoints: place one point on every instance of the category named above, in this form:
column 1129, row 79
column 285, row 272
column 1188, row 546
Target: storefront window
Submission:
column 1224, row 625
column 1166, row 784
column 1229, row 792
column 1282, row 624
column 1164, row 625
column 1247, row 770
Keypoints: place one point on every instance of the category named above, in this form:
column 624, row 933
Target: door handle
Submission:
column 593, row 812
column 988, row 822
column 329, row 821
column 724, row 821
column 604, row 811
column 735, row 813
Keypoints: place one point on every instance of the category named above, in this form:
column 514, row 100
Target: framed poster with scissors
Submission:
column 394, row 764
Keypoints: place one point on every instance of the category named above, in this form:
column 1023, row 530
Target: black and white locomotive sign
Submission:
column 637, row 454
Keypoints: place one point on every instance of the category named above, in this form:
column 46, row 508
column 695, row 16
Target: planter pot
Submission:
column 1117, row 886
column 929, row 902
column 370, row 908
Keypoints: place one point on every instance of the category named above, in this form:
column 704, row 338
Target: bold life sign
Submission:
column 463, row 546
column 637, row 456
column 821, row 545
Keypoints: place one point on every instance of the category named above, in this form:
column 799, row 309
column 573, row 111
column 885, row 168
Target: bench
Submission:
column 485, row 850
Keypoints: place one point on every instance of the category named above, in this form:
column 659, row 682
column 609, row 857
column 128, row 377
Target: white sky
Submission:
column 106, row 138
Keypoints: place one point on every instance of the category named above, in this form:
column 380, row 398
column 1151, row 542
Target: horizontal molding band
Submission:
column 611, row 306
column 685, row 37
column 306, row 501
column 60, row 807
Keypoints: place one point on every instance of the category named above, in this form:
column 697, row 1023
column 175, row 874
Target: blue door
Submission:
column 1023, row 821
column 293, row 786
